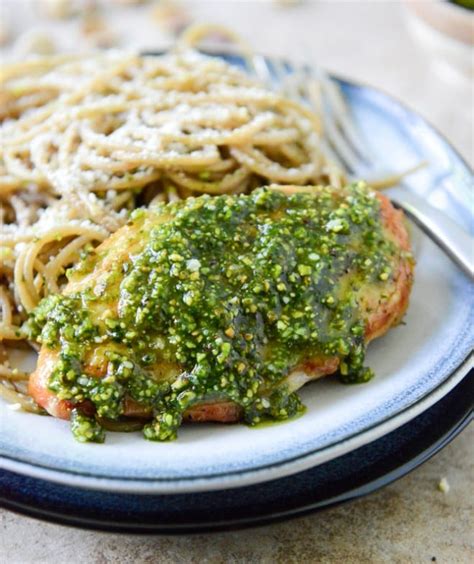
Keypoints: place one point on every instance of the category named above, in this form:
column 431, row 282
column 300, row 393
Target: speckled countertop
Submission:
column 408, row 521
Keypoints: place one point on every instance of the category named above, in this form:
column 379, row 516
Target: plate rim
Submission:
column 444, row 437
column 244, row 477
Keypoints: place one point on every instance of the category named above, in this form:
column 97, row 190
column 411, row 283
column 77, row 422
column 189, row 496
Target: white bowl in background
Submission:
column 446, row 31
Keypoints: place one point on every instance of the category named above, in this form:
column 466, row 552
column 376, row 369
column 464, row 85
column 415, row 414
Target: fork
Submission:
column 344, row 146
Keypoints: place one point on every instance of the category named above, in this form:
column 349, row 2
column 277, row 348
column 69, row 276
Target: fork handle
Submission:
column 446, row 233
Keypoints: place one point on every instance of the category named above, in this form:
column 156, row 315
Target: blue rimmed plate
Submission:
column 342, row 479
column 416, row 364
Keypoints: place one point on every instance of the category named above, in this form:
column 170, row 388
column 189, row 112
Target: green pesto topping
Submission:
column 233, row 292
column 86, row 429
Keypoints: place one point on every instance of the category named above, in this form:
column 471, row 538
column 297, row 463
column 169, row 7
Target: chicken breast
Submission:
column 218, row 309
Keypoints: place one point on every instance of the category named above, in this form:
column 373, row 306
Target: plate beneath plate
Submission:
column 416, row 364
column 343, row 479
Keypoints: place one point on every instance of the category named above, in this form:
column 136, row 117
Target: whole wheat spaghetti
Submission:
column 86, row 139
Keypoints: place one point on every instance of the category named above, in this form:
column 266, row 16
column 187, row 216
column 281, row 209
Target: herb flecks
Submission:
column 231, row 293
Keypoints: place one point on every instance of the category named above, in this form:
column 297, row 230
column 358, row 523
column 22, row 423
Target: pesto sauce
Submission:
column 237, row 290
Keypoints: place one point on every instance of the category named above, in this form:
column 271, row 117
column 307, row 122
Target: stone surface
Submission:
column 408, row 521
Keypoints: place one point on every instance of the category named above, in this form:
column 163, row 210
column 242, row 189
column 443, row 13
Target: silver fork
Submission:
column 344, row 146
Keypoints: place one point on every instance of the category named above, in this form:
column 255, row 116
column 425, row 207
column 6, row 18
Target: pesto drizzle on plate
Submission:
column 234, row 291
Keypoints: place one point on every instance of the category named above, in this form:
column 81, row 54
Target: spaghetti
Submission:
column 86, row 139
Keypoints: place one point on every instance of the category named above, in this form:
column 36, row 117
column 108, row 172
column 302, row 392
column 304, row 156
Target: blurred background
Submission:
column 418, row 51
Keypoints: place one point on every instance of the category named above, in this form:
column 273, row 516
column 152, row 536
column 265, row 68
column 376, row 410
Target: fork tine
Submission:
column 262, row 70
column 346, row 123
column 334, row 121
column 339, row 144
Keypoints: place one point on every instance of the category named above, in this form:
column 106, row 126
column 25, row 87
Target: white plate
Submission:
column 415, row 364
